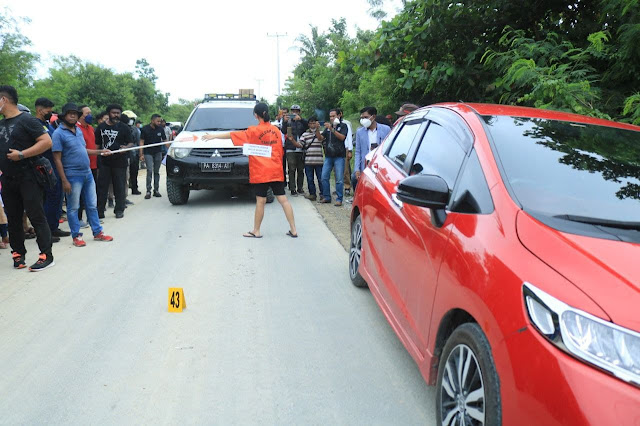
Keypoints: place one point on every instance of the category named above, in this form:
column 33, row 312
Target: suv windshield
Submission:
column 223, row 119
column 576, row 172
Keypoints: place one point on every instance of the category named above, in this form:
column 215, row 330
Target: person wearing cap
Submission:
column 404, row 110
column 264, row 171
column 294, row 126
column 20, row 190
column 71, row 157
column 113, row 135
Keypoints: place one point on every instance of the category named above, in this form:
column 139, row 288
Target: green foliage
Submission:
column 17, row 65
column 180, row 111
column 549, row 73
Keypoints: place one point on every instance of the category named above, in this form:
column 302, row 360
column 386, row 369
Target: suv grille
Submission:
column 208, row 152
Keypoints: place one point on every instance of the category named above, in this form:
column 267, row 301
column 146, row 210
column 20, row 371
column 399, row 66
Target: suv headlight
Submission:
column 179, row 152
column 601, row 343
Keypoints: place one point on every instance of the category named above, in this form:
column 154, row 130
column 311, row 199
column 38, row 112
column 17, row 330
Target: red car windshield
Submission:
column 578, row 172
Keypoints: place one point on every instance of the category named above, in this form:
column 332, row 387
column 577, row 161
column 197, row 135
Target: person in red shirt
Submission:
column 264, row 171
column 84, row 123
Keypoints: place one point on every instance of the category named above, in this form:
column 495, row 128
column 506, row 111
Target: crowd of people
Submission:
column 320, row 150
column 84, row 171
column 89, row 167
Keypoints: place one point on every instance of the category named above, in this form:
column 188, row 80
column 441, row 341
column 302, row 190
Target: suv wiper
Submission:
column 618, row 224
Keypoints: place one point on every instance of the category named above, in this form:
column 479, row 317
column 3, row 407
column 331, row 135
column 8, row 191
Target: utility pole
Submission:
column 259, row 80
column 277, row 36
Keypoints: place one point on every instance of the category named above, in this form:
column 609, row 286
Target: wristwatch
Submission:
column 21, row 155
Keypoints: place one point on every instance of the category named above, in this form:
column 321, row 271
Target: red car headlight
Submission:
column 600, row 343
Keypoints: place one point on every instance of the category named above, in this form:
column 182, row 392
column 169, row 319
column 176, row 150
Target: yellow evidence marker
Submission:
column 177, row 302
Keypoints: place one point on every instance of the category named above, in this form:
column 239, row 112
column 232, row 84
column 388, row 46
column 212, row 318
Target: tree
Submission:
column 17, row 65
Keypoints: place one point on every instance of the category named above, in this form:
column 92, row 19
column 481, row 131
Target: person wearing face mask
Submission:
column 368, row 137
column 85, row 125
column 264, row 171
column 53, row 197
column 335, row 151
column 22, row 137
column 113, row 135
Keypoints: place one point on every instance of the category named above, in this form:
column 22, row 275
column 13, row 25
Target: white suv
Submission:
column 193, row 163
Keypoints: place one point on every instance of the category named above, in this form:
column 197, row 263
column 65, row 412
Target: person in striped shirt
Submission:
column 313, row 159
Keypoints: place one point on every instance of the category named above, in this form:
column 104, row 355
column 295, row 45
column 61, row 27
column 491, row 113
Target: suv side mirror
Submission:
column 428, row 191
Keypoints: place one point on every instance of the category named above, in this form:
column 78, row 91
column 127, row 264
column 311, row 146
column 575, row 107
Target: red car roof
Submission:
column 518, row 111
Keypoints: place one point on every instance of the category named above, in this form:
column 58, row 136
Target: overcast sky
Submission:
column 196, row 47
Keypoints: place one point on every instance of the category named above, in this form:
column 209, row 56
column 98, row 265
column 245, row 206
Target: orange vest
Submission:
column 263, row 169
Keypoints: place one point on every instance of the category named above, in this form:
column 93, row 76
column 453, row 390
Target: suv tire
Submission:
column 178, row 194
column 474, row 398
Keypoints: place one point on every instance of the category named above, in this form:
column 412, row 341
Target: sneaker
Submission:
column 83, row 224
column 119, row 215
column 18, row 261
column 310, row 197
column 79, row 242
column 102, row 237
column 294, row 193
column 148, row 196
column 110, row 202
column 300, row 192
column 136, row 192
column 338, row 204
column 157, row 194
column 55, row 239
column 44, row 262
column 323, row 201
column 60, row 233
column 349, row 200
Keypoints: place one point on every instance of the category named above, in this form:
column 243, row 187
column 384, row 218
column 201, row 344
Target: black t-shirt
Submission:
column 19, row 132
column 114, row 138
column 334, row 147
column 151, row 136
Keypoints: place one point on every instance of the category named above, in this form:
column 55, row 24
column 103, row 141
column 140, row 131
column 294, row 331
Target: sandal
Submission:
column 251, row 235
column 292, row 235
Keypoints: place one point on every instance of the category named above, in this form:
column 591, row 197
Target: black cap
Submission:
column 70, row 106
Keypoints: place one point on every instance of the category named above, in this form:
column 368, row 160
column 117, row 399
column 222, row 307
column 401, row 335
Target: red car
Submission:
column 500, row 243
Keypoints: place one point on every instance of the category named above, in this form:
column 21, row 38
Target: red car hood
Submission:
column 607, row 271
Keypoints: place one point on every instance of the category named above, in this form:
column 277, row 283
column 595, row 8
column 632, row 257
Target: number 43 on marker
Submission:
column 177, row 302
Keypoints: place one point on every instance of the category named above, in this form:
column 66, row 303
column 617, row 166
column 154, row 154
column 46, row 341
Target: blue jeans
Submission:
column 310, row 170
column 85, row 186
column 329, row 164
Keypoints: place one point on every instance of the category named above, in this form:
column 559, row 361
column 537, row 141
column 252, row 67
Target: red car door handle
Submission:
column 374, row 168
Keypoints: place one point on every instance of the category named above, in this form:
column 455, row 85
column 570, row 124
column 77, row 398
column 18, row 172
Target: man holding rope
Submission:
column 113, row 135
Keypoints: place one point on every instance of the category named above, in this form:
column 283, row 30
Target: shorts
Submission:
column 261, row 188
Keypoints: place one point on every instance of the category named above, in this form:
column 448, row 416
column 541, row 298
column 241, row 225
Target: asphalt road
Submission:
column 274, row 332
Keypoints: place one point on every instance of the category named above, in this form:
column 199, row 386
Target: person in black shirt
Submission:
column 335, row 150
column 150, row 134
column 113, row 135
column 22, row 137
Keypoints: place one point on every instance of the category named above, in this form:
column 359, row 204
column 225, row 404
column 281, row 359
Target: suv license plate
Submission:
column 215, row 167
